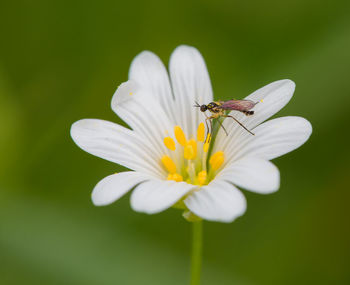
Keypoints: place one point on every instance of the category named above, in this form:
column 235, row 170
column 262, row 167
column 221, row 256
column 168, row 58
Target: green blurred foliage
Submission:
column 61, row 61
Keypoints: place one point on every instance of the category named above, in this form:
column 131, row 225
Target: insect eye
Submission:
column 203, row 108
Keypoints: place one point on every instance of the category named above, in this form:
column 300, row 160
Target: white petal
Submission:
column 112, row 187
column 275, row 96
column 117, row 144
column 276, row 137
column 150, row 73
column 254, row 174
column 156, row 195
column 190, row 82
column 144, row 116
column 218, row 201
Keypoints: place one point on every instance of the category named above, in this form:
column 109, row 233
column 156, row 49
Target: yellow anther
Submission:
column 179, row 135
column 216, row 160
column 208, row 138
column 262, row 100
column 130, row 93
column 193, row 143
column 168, row 164
column 206, row 144
column 200, row 132
column 190, row 150
column 169, row 143
column 176, row 177
column 206, row 147
column 202, row 177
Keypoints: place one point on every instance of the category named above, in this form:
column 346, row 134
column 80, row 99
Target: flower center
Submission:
column 188, row 158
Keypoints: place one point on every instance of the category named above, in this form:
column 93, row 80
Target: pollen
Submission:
column 179, row 135
column 130, row 93
column 216, row 160
column 169, row 143
column 202, row 177
column 169, row 164
column 175, row 176
column 190, row 150
column 262, row 100
column 200, row 132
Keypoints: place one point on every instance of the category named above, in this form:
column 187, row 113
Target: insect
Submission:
column 218, row 108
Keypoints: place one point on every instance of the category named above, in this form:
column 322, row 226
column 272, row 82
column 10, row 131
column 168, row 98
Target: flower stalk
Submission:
column 197, row 244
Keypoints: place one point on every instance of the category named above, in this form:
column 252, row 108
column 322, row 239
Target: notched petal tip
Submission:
column 126, row 91
column 288, row 82
column 219, row 201
column 78, row 129
column 253, row 174
column 156, row 196
column 114, row 186
column 145, row 61
column 307, row 126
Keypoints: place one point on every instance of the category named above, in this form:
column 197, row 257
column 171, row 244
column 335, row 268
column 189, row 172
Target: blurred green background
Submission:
column 61, row 61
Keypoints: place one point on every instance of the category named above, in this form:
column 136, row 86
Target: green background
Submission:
column 61, row 61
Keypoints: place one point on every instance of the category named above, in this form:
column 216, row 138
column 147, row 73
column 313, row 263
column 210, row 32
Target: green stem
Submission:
column 196, row 260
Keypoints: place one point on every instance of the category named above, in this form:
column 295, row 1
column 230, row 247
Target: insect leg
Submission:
column 221, row 125
column 211, row 127
column 240, row 124
column 206, row 124
column 209, row 130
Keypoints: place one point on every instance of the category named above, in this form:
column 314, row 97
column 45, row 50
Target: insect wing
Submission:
column 239, row 105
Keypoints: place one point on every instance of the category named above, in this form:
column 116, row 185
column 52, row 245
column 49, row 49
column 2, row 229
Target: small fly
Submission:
column 217, row 110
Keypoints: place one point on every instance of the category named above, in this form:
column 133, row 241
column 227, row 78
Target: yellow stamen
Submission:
column 202, row 177
column 208, row 138
column 200, row 132
column 193, row 143
column 206, row 147
column 216, row 160
column 206, row 144
column 169, row 143
column 190, row 150
column 262, row 100
column 176, row 177
column 169, row 164
column 179, row 135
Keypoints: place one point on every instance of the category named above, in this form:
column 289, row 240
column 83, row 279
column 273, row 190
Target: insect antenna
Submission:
column 197, row 104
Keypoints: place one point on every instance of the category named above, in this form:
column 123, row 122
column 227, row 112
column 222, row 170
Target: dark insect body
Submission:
column 218, row 109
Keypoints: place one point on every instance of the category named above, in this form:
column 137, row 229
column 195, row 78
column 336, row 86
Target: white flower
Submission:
column 166, row 150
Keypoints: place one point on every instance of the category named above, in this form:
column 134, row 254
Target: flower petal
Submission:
column 274, row 95
column 150, row 73
column 190, row 81
column 156, row 195
column 254, row 174
column 144, row 116
column 275, row 138
column 218, row 201
column 112, row 187
column 117, row 144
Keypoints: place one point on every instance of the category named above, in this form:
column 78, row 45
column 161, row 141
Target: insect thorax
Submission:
column 214, row 107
